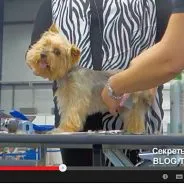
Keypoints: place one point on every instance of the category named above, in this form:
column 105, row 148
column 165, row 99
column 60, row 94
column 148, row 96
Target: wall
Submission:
column 19, row 16
column 1, row 36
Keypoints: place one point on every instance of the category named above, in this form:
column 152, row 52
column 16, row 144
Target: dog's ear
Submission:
column 53, row 28
column 75, row 54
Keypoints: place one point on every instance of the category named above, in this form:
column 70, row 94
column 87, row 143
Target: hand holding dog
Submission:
column 113, row 105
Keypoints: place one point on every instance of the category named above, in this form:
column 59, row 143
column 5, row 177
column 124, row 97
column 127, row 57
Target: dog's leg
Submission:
column 72, row 124
column 73, row 120
column 134, row 119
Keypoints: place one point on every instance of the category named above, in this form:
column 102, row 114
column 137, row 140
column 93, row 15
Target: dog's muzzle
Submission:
column 43, row 55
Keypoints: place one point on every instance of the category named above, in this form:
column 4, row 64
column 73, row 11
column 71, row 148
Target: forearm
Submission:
column 154, row 66
column 142, row 74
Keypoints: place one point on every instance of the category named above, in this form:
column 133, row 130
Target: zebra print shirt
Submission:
column 129, row 27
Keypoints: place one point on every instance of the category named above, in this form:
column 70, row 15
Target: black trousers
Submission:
column 83, row 157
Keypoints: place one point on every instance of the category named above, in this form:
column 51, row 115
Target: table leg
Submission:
column 43, row 152
column 98, row 157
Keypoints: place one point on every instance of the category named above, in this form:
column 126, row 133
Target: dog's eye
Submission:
column 57, row 52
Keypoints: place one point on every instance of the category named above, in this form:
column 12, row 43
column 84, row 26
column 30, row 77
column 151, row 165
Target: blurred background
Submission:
column 20, row 89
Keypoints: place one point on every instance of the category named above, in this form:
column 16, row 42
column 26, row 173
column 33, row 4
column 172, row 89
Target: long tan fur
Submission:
column 79, row 89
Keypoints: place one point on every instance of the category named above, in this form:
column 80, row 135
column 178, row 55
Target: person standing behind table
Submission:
column 166, row 59
column 127, row 27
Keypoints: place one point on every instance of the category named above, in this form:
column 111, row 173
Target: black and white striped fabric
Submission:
column 129, row 27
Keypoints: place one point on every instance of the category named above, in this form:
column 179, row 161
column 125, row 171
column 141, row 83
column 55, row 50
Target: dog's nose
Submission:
column 43, row 55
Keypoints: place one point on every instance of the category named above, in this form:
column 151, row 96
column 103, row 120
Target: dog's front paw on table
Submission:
column 56, row 131
column 59, row 131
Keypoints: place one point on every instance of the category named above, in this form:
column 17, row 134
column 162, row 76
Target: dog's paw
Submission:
column 55, row 131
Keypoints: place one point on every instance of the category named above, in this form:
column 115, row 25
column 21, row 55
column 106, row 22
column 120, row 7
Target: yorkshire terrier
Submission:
column 79, row 89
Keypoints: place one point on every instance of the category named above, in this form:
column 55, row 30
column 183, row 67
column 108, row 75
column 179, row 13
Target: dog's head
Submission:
column 53, row 55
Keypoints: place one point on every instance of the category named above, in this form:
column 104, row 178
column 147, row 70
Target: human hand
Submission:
column 112, row 104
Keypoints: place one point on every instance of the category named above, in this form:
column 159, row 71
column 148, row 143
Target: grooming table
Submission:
column 107, row 141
